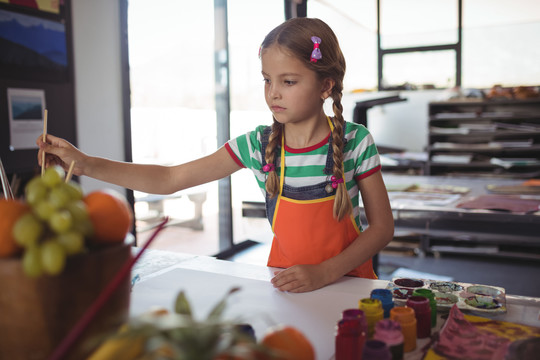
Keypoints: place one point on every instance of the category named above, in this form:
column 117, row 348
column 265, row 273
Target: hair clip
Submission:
column 336, row 181
column 268, row 167
column 316, row 53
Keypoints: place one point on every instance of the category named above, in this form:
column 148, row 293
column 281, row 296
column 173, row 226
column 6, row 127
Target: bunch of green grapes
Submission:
column 56, row 227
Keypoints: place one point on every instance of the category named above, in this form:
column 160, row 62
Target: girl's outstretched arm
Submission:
column 155, row 179
column 302, row 278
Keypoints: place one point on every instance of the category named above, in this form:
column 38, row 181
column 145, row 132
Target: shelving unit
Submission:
column 448, row 228
column 498, row 138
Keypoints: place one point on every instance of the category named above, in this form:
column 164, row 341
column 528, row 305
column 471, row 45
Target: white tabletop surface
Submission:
column 205, row 280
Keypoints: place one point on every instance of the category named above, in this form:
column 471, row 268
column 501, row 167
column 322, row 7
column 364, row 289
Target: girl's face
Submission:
column 292, row 91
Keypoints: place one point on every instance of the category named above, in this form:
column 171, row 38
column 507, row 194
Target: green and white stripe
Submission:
column 307, row 168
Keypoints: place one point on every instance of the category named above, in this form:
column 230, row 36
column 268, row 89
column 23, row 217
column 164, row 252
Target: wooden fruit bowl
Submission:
column 36, row 314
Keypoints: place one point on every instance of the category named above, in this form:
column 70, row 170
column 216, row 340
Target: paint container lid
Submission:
column 356, row 314
column 370, row 306
column 424, row 292
column 352, row 313
column 347, row 327
column 388, row 331
column 384, row 295
column 386, row 298
column 403, row 315
column 376, row 350
column 420, row 304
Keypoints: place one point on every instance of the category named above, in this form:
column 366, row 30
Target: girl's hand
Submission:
column 300, row 278
column 61, row 152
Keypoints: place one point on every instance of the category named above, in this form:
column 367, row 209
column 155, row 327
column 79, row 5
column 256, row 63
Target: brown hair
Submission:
column 294, row 35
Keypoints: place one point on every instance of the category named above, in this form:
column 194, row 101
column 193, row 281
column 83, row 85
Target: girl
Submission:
column 311, row 168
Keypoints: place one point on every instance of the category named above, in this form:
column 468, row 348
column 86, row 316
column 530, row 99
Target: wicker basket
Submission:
column 36, row 314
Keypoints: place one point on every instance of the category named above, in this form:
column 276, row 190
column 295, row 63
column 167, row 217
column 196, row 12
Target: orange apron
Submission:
column 306, row 232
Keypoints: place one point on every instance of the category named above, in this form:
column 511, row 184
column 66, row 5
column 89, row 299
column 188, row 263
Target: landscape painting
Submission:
column 32, row 48
column 52, row 6
column 26, row 108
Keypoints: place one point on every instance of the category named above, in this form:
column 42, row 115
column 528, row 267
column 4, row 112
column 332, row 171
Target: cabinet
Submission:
column 448, row 228
column 499, row 138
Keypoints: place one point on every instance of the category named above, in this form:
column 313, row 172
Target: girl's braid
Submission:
column 272, row 180
column 342, row 202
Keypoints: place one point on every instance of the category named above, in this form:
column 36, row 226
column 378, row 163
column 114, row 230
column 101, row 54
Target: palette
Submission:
column 468, row 297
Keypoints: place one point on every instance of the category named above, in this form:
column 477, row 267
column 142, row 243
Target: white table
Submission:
column 205, row 280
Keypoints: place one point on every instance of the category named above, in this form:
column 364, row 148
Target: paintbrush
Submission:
column 6, row 188
column 103, row 297
column 44, row 138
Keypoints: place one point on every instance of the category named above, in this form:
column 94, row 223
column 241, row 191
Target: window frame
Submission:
column 456, row 47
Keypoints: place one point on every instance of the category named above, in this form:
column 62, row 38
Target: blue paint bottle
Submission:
column 387, row 301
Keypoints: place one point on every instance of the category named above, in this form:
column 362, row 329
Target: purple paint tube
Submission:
column 376, row 350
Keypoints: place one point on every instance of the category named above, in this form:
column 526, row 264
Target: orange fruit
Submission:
column 288, row 343
column 10, row 212
column 110, row 214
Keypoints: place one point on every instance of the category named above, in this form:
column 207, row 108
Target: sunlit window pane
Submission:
column 355, row 25
column 418, row 23
column 172, row 109
column 499, row 43
column 430, row 69
column 249, row 22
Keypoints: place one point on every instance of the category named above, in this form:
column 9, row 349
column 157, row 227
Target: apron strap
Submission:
column 330, row 123
column 264, row 142
column 282, row 162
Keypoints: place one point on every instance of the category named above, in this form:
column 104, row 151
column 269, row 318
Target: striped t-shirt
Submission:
column 305, row 167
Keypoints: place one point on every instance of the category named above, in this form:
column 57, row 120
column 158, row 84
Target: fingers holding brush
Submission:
column 57, row 151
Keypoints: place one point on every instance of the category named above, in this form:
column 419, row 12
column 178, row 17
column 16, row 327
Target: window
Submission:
column 173, row 119
column 411, row 70
column 499, row 43
column 248, row 106
column 171, row 48
column 419, row 41
column 355, row 25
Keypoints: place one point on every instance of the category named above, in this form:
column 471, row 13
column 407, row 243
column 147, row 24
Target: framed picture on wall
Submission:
column 32, row 48
column 26, row 108
column 52, row 6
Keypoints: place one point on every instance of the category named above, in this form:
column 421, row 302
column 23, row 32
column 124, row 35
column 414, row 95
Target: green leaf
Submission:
column 182, row 306
column 217, row 311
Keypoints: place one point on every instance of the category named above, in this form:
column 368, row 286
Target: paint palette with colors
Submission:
column 468, row 297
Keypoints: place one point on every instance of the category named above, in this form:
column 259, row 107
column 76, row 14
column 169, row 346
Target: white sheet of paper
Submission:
column 257, row 303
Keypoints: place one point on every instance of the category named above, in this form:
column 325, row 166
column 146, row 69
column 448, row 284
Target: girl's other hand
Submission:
column 60, row 152
column 300, row 278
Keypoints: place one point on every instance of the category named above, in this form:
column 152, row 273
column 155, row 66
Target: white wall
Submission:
column 399, row 125
column 98, row 90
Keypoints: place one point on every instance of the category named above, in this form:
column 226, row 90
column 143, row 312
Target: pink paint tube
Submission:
column 390, row 332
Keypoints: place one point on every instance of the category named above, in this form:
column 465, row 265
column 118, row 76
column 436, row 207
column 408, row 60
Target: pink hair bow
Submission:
column 316, row 53
column 336, row 181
